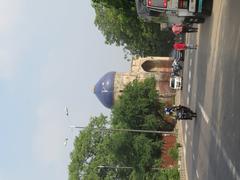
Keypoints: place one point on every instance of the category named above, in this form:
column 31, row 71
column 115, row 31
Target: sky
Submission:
column 51, row 56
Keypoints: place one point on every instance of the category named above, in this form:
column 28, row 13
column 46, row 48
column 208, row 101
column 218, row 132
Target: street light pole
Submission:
column 115, row 167
column 128, row 130
column 122, row 167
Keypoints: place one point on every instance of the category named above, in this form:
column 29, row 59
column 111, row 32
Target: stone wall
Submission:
column 142, row 68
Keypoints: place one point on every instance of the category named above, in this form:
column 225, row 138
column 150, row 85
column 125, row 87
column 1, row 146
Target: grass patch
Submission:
column 173, row 152
column 169, row 174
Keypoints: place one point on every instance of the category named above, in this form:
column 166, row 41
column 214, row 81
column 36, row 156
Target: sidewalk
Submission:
column 182, row 158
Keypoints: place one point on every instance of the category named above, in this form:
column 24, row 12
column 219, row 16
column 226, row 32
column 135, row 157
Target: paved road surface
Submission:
column 212, row 88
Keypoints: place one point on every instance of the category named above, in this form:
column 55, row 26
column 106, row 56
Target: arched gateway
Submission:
column 111, row 85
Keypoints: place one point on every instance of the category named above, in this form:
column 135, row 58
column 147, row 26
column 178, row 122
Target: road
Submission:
column 212, row 88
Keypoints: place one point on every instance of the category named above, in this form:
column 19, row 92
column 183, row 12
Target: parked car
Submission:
column 175, row 82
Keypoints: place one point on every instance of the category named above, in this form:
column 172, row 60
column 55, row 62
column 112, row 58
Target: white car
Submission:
column 175, row 82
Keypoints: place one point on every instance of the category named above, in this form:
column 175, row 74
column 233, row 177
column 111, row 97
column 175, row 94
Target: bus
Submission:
column 173, row 11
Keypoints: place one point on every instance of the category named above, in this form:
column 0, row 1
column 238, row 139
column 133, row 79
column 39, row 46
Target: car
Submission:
column 175, row 82
column 178, row 55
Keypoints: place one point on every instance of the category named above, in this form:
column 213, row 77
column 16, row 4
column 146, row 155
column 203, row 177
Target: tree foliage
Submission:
column 90, row 150
column 139, row 108
column 139, row 153
column 119, row 23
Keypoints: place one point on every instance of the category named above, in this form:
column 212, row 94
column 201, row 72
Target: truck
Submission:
column 174, row 11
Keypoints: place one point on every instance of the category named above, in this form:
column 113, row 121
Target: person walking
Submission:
column 181, row 28
column 181, row 46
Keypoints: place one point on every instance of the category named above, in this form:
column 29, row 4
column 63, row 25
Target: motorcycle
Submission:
column 177, row 66
column 175, row 73
column 180, row 112
column 185, row 113
column 178, row 55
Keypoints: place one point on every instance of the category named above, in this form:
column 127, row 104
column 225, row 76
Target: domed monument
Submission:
column 111, row 85
column 104, row 89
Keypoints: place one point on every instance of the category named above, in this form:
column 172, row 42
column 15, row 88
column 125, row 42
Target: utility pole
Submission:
column 128, row 130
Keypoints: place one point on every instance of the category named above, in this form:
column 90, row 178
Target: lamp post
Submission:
column 115, row 167
column 127, row 130
column 122, row 167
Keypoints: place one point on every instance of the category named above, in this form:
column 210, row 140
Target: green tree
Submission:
column 90, row 151
column 93, row 149
column 119, row 23
column 138, row 108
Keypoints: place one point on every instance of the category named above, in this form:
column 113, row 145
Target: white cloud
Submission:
column 66, row 79
column 2, row 175
column 48, row 145
column 62, row 82
column 57, row 82
column 7, row 64
column 9, row 12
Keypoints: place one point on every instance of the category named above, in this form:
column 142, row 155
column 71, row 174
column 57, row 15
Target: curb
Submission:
column 182, row 159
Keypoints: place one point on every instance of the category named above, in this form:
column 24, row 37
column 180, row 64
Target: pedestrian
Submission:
column 182, row 28
column 182, row 46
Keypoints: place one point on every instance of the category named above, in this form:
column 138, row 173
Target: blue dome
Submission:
column 104, row 89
